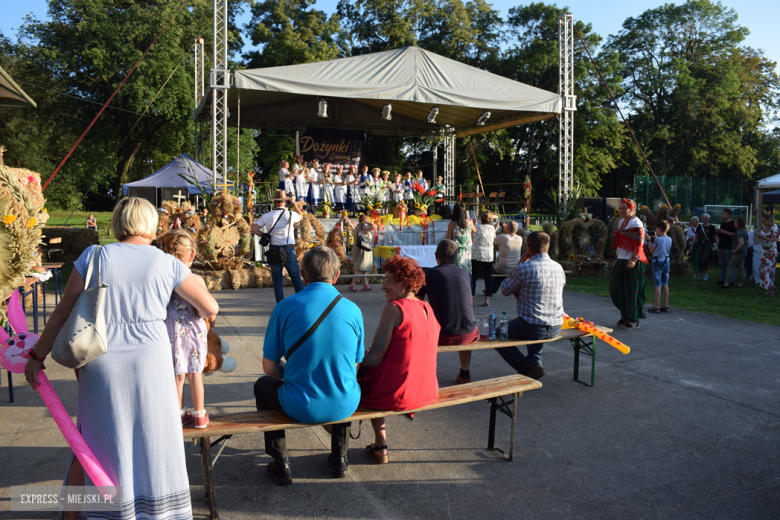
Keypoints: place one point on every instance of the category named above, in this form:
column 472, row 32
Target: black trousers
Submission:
column 267, row 398
column 485, row 271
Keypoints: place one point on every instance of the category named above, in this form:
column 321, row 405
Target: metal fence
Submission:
column 416, row 238
column 688, row 192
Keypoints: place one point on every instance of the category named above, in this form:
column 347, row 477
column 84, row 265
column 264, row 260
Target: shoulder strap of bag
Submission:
column 312, row 328
column 95, row 261
column 277, row 221
column 289, row 223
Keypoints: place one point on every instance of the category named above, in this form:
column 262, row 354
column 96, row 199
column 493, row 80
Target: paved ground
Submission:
column 685, row 426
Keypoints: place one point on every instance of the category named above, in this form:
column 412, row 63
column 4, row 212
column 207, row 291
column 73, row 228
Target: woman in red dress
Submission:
column 403, row 353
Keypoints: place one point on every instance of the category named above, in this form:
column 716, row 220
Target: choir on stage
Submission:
column 345, row 190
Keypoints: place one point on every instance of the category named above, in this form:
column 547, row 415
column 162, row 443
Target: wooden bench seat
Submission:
column 226, row 425
column 575, row 336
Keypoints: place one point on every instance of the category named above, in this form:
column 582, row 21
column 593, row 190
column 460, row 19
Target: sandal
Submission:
column 352, row 288
column 368, row 288
column 664, row 309
column 486, row 304
column 654, row 310
column 628, row 325
column 380, row 459
column 620, row 322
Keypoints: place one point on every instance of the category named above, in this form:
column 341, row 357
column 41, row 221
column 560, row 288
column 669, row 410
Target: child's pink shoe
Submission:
column 201, row 419
column 186, row 418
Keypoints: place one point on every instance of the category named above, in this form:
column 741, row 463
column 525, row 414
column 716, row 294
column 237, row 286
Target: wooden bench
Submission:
column 575, row 336
column 227, row 425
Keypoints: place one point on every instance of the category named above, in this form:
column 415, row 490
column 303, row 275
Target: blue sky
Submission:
column 607, row 16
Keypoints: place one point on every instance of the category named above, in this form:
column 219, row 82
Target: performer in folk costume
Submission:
column 327, row 184
column 364, row 181
column 627, row 286
column 398, row 189
column 315, row 188
column 387, row 192
column 353, row 192
column 339, row 188
column 285, row 178
column 300, row 172
column 419, row 180
column 408, row 185
column 376, row 178
column 440, row 193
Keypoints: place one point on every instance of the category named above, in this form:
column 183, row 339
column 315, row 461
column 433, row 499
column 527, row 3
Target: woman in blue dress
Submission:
column 128, row 409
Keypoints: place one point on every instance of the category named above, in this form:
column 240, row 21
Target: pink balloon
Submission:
column 14, row 354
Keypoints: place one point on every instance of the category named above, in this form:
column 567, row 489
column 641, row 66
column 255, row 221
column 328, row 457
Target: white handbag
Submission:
column 83, row 336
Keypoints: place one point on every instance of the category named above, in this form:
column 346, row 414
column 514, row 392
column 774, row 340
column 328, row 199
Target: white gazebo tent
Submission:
column 181, row 171
column 769, row 183
column 772, row 182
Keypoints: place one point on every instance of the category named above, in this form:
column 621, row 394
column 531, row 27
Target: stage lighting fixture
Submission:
column 369, row 136
column 432, row 115
column 264, row 132
column 415, row 140
column 292, row 133
column 484, row 117
column 387, row 110
column 395, row 138
column 323, row 109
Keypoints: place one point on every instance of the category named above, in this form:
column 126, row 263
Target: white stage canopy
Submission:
column 410, row 79
column 169, row 176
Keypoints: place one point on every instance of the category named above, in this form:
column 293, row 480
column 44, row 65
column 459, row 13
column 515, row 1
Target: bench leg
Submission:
column 503, row 407
column 208, row 477
column 579, row 345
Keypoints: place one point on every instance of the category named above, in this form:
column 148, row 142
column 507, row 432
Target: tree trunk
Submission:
column 129, row 153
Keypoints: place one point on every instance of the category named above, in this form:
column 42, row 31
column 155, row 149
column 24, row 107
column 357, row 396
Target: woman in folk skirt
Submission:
column 627, row 286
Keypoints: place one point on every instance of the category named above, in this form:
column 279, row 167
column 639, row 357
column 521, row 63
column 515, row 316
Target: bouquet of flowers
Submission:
column 422, row 198
column 324, row 207
column 372, row 197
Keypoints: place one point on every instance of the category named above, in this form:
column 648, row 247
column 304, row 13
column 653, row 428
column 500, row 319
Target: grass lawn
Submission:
column 58, row 218
column 748, row 303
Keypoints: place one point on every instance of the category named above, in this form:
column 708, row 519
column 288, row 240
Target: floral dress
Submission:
column 462, row 237
column 187, row 333
column 482, row 249
column 766, row 266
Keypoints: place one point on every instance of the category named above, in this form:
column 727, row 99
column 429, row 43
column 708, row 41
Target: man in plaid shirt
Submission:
column 537, row 283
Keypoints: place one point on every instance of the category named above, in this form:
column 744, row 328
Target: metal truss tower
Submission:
column 220, row 83
column 200, row 130
column 449, row 163
column 566, row 118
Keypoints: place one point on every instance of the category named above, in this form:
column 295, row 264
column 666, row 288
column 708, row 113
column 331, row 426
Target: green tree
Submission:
column 292, row 32
column 695, row 95
column 110, row 38
column 532, row 58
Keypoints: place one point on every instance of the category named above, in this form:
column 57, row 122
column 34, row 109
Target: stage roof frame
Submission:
column 411, row 80
column 11, row 94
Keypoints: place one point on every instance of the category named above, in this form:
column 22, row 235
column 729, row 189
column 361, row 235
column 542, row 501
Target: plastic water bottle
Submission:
column 492, row 324
column 483, row 330
column 504, row 327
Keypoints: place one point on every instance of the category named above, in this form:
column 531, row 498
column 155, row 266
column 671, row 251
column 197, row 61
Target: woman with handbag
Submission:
column 129, row 389
column 363, row 252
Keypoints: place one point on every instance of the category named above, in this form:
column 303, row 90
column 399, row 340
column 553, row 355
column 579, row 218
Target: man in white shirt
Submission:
column 509, row 245
column 279, row 224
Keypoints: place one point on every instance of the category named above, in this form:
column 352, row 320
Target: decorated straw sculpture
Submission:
column 22, row 216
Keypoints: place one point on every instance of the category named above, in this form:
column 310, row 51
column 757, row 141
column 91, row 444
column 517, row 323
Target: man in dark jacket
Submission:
column 448, row 288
